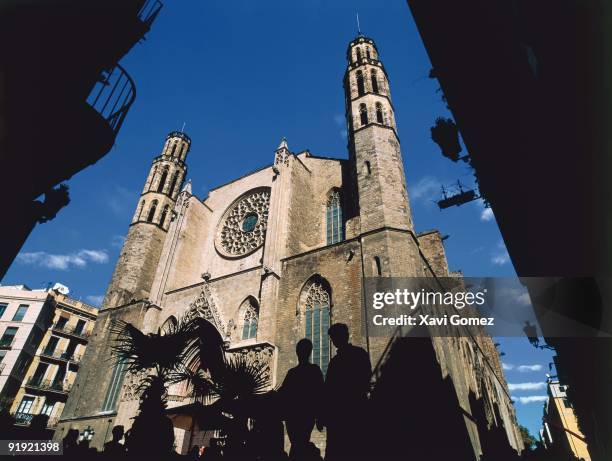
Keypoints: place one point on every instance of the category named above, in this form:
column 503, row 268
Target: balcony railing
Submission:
column 23, row 418
column 70, row 331
column 112, row 96
column 62, row 355
column 149, row 11
column 47, row 385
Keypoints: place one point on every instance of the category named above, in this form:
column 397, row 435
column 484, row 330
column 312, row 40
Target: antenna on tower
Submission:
column 183, row 129
column 358, row 25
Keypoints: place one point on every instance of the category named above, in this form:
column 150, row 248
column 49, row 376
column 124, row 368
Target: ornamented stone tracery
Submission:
column 243, row 228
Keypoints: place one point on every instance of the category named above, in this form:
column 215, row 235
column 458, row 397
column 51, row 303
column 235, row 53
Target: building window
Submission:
column 368, row 52
column 51, row 345
column 360, row 85
column 173, row 149
column 380, row 118
column 3, row 307
column 358, row 53
column 368, row 168
column 363, row 113
column 39, row 374
column 335, row 226
column 162, row 181
column 114, row 387
column 317, row 321
column 8, row 337
column 377, row 266
column 2, row 355
column 142, row 204
column 47, row 407
column 374, row 81
column 26, row 405
column 61, row 322
column 173, row 183
column 152, row 211
column 21, row 312
column 162, row 219
column 251, row 317
column 80, row 326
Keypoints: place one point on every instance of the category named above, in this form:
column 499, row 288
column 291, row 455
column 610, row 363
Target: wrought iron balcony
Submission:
column 61, row 355
column 149, row 11
column 72, row 331
column 48, row 385
column 112, row 96
column 23, row 418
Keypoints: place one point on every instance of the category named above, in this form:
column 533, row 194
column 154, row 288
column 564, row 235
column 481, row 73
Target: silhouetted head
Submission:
column 71, row 437
column 303, row 350
column 339, row 334
column 118, row 432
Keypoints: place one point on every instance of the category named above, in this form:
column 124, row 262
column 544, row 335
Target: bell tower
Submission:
column 135, row 269
column 374, row 147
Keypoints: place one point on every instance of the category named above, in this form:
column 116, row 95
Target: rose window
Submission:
column 243, row 228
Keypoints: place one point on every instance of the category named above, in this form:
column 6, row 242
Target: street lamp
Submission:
column 87, row 434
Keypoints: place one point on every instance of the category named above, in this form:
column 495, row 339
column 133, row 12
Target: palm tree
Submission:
column 189, row 350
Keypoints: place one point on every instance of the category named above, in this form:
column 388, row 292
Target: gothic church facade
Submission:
column 244, row 258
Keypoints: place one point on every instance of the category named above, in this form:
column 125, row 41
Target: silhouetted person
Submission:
column 346, row 389
column 72, row 448
column 301, row 394
column 194, row 453
column 38, row 427
column 114, row 448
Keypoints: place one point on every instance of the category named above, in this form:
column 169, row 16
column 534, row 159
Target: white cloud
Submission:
column 528, row 368
column 80, row 259
column 507, row 366
column 526, row 386
column 427, row 188
column 530, row 399
column 486, row 214
column 95, row 300
column 501, row 256
column 339, row 119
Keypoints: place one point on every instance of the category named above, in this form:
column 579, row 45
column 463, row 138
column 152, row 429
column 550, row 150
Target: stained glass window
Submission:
column 317, row 321
column 251, row 314
column 335, row 225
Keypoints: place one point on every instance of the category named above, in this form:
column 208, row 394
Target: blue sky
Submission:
column 241, row 75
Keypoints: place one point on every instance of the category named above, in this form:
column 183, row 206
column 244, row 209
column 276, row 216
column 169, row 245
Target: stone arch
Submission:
column 315, row 314
column 248, row 315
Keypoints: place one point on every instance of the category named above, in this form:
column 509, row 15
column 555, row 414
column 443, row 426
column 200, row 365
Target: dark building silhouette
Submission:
column 527, row 85
column 63, row 98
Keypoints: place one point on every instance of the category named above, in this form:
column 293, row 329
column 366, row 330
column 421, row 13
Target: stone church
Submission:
column 245, row 260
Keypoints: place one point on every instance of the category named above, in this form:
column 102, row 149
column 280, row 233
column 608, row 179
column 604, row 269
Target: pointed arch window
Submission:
column 335, row 225
column 162, row 181
column 317, row 320
column 251, row 318
column 368, row 52
column 363, row 114
column 374, row 77
column 152, row 211
column 380, row 117
column 114, row 387
column 162, row 219
column 153, row 177
column 360, row 83
column 377, row 266
column 173, row 183
column 358, row 53
column 139, row 215
column 173, row 149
